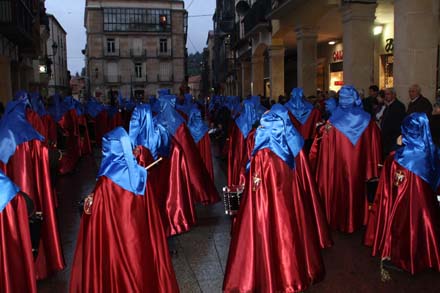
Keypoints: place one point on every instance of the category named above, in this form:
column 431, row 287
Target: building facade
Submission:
column 135, row 47
column 324, row 44
column 24, row 30
column 57, row 53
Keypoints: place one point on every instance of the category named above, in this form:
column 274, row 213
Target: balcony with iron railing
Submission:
column 16, row 20
column 139, row 79
column 108, row 78
column 112, row 53
column 256, row 16
column 138, row 53
column 165, row 54
column 165, row 78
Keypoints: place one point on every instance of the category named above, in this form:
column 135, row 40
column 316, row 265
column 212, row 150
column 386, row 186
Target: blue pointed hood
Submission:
column 119, row 164
column 15, row 129
column 349, row 117
column 93, row 108
column 277, row 133
column 419, row 153
column 247, row 118
column 168, row 116
column 298, row 106
column 56, row 108
column 38, row 105
column 8, row 190
column 259, row 109
column 196, row 125
column 330, row 105
column 145, row 132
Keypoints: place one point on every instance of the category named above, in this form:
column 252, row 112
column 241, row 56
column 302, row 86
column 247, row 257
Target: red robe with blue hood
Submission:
column 348, row 154
column 121, row 245
column 404, row 221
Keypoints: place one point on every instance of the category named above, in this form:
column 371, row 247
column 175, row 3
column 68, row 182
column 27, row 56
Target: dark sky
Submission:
column 71, row 16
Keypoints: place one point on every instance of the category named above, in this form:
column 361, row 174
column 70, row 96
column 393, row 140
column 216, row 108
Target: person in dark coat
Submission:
column 392, row 118
column 370, row 103
column 418, row 103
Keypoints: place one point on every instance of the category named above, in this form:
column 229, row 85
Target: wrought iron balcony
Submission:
column 139, row 79
column 165, row 78
column 16, row 20
column 165, row 54
column 112, row 78
column 138, row 53
column 114, row 53
column 257, row 15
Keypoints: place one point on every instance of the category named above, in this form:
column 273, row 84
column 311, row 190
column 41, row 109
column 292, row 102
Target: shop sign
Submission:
column 389, row 45
column 339, row 83
column 338, row 55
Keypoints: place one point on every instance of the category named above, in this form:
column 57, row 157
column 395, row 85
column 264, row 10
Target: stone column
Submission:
column 246, row 78
column 276, row 55
column 416, row 39
column 5, row 80
column 258, row 75
column 358, row 40
column 306, row 38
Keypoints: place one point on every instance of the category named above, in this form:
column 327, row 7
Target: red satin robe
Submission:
column 169, row 184
column 404, row 222
column 341, row 173
column 86, row 147
column 17, row 269
column 236, row 146
column 275, row 245
column 28, row 168
column 204, row 147
column 115, row 121
column 121, row 246
column 51, row 126
column 101, row 126
column 308, row 129
column 70, row 126
column 202, row 187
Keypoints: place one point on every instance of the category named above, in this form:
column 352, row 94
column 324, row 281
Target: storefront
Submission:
column 336, row 72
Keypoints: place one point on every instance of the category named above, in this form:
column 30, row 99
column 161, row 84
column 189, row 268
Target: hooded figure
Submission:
column 48, row 123
column 97, row 120
column 121, row 245
column 403, row 226
column 183, row 178
column 280, row 229
column 199, row 132
column 15, row 241
column 24, row 158
column 236, row 144
column 304, row 116
column 259, row 109
column 346, row 154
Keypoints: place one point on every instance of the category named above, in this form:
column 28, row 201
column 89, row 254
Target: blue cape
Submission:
column 37, row 104
column 21, row 95
column 145, row 132
column 298, row 106
column 8, row 190
column 277, row 133
column 349, row 117
column 93, row 108
column 259, row 109
column 15, row 129
column 247, row 118
column 330, row 105
column 233, row 104
column 56, row 109
column 187, row 104
column 418, row 153
column 168, row 116
column 119, row 164
column 196, row 125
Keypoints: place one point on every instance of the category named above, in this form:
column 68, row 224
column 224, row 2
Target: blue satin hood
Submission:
column 168, row 116
column 145, row 132
column 418, row 153
column 233, row 104
column 8, row 190
column 93, row 108
column 330, row 105
column 196, row 125
column 187, row 104
column 21, row 95
column 277, row 133
column 70, row 103
column 349, row 117
column 247, row 118
column 119, row 164
column 56, row 109
column 37, row 104
column 259, row 109
column 298, row 106
column 15, row 129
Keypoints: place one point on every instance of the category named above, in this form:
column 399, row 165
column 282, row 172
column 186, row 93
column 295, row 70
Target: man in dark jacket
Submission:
column 392, row 118
column 418, row 103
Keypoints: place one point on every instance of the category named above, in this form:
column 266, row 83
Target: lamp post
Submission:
column 54, row 53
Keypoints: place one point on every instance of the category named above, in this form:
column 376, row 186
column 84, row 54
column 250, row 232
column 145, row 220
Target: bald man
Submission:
column 418, row 103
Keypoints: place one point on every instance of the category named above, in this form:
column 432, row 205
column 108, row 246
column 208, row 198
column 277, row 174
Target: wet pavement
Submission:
column 202, row 253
